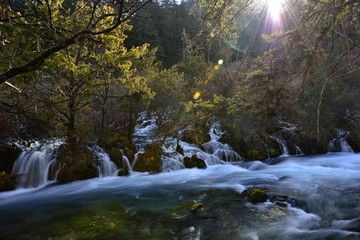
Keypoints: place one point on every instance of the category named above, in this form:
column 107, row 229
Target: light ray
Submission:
column 274, row 9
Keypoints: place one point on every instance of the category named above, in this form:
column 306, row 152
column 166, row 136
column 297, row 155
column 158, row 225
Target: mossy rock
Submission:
column 196, row 136
column 150, row 160
column 194, row 162
column 115, row 156
column 310, row 145
column 113, row 144
column 123, row 172
column 8, row 154
column 77, row 163
column 354, row 141
column 7, row 182
column 257, row 195
column 197, row 208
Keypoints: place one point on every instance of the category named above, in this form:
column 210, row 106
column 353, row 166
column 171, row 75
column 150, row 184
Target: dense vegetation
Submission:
column 86, row 69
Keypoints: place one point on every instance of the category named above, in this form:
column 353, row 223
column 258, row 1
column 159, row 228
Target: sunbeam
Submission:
column 274, row 9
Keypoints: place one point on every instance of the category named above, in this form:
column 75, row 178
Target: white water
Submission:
column 36, row 166
column 283, row 146
column 339, row 143
column 325, row 189
column 106, row 167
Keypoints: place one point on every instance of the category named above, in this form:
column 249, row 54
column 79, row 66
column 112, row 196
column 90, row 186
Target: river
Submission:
column 309, row 197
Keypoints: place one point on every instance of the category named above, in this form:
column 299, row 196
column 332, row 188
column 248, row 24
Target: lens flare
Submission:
column 274, row 9
column 196, row 95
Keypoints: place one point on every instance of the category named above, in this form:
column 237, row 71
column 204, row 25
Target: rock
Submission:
column 179, row 149
column 7, row 182
column 257, row 195
column 150, row 160
column 197, row 135
column 194, row 162
column 8, row 154
column 283, row 201
column 123, row 172
column 77, row 163
column 115, row 156
column 197, row 208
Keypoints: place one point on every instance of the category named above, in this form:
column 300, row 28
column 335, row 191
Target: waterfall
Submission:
column 144, row 132
column 215, row 151
column 126, row 163
column 298, row 150
column 106, row 166
column 216, row 132
column 339, row 143
column 282, row 144
column 37, row 164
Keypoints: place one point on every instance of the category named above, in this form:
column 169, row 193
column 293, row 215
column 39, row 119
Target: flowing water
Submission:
column 37, row 165
column 310, row 197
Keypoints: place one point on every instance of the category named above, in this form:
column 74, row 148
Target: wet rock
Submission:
column 7, row 182
column 197, row 135
column 8, row 155
column 150, row 160
column 197, row 208
column 283, row 201
column 179, row 149
column 194, row 162
column 77, row 163
column 257, row 195
column 123, row 172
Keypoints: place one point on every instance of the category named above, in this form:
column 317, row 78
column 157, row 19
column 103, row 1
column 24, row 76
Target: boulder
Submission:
column 77, row 163
column 256, row 195
column 8, row 154
column 7, row 182
column 194, row 162
column 150, row 160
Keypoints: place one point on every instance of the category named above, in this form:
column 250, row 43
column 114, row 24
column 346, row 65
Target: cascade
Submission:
column 298, row 150
column 220, row 150
column 215, row 151
column 106, row 166
column 144, row 132
column 339, row 144
column 282, row 144
column 126, row 162
column 37, row 165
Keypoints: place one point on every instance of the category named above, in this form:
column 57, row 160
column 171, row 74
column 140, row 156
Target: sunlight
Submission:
column 274, row 9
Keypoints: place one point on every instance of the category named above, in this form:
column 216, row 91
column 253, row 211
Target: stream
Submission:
column 310, row 197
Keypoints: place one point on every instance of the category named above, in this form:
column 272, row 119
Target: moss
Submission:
column 197, row 135
column 197, row 207
column 77, row 163
column 150, row 160
column 257, row 195
column 7, row 182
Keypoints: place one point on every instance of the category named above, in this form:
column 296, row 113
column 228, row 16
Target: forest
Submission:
column 180, row 119
column 84, row 71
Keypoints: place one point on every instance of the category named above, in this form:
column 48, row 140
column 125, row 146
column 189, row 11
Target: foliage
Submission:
column 51, row 26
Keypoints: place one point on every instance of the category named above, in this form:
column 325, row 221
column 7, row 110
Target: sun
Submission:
column 274, row 8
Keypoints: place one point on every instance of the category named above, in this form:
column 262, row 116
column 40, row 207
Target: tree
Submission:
column 48, row 30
